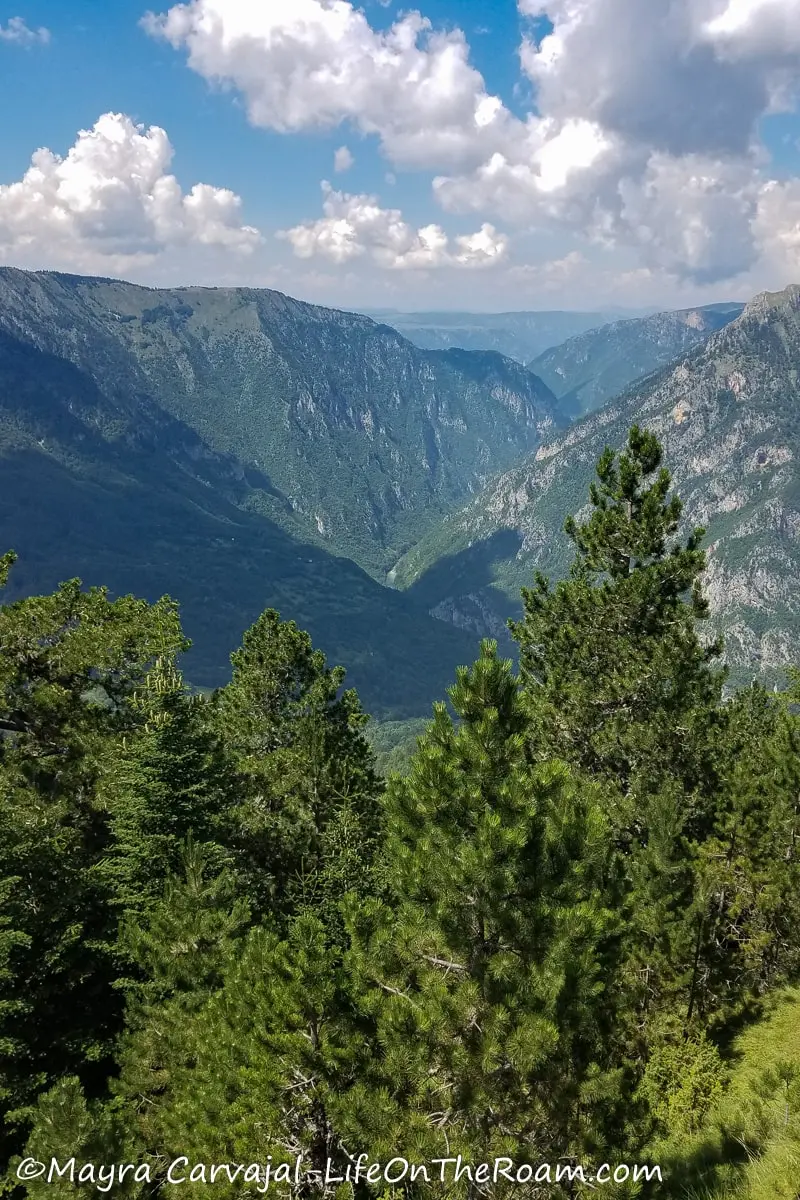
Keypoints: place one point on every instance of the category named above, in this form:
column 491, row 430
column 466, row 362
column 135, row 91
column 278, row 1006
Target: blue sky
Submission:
column 101, row 60
column 504, row 155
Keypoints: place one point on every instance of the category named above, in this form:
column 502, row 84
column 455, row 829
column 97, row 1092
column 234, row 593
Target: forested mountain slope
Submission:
column 564, row 942
column 104, row 484
column 342, row 429
column 729, row 418
column 587, row 371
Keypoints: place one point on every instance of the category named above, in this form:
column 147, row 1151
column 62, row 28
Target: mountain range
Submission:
column 343, row 432
column 240, row 450
column 519, row 335
column 728, row 416
column 587, row 371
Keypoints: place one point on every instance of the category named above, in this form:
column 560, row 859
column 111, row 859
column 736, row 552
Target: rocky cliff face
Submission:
column 728, row 416
column 344, row 430
column 586, row 372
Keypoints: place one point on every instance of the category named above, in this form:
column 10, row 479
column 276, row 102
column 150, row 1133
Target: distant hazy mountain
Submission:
column 729, row 418
column 588, row 370
column 519, row 335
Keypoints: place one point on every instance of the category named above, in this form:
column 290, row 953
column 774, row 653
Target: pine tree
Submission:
column 181, row 948
column 750, row 864
column 276, row 1053
column 181, row 951
column 67, row 1126
column 618, row 683
column 70, row 664
column 168, row 781
column 490, row 966
column 58, row 1012
column 302, row 761
column 616, row 677
column 248, row 1056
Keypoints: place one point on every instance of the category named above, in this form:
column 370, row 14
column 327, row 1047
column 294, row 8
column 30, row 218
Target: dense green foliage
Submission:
column 745, row 1144
column 224, row 936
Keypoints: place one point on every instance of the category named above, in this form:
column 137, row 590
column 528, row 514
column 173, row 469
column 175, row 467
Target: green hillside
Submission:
column 748, row 1146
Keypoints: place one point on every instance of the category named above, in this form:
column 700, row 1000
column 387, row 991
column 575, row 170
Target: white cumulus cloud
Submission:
column 111, row 198
column 678, row 76
column 777, row 225
column 647, row 129
column 750, row 27
column 357, row 226
column 693, row 216
column 644, row 134
column 343, row 159
column 303, row 64
column 16, row 30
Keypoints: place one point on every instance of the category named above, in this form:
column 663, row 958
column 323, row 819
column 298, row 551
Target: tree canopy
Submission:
column 223, row 935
